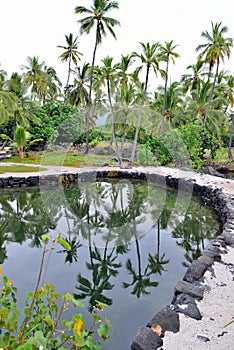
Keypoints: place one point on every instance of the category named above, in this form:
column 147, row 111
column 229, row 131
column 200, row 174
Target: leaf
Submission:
column 64, row 243
column 156, row 328
column 77, row 303
column 229, row 323
column 79, row 326
column 103, row 331
column 0, row 271
column 11, row 322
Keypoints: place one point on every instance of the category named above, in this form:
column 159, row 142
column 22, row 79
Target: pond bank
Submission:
column 202, row 299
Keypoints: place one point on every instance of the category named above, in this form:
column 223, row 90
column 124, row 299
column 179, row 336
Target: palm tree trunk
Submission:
column 14, row 125
column 230, row 156
column 123, row 133
column 212, row 93
column 134, row 147
column 164, row 100
column 90, row 92
column 113, row 126
column 68, row 79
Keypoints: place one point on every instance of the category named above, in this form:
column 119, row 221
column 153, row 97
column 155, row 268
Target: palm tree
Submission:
column 35, row 78
column 167, row 52
column 53, row 84
column 22, row 114
column 190, row 81
column 71, row 54
column 96, row 16
column 197, row 106
column 22, row 140
column 7, row 102
column 148, row 59
column 107, row 73
column 78, row 95
column 216, row 49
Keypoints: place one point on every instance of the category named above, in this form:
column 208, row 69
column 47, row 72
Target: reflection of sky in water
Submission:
column 127, row 312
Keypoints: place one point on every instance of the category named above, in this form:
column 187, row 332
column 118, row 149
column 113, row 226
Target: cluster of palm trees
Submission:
column 121, row 90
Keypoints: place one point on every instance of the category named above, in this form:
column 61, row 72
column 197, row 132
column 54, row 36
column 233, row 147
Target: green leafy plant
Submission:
column 44, row 326
column 145, row 156
column 22, row 140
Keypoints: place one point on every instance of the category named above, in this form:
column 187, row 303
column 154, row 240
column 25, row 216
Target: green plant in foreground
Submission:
column 44, row 326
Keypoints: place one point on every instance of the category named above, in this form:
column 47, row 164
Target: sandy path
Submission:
column 217, row 309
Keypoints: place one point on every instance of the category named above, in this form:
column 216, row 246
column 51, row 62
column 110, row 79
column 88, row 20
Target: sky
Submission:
column 35, row 28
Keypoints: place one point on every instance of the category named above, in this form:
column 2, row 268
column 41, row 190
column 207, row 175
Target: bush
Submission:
column 42, row 326
column 145, row 156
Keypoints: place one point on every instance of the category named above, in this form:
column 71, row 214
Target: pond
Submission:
column 131, row 243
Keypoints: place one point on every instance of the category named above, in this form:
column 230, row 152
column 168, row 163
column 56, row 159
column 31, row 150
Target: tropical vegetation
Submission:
column 119, row 94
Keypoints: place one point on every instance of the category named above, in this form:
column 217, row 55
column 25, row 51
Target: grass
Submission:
column 19, row 169
column 59, row 158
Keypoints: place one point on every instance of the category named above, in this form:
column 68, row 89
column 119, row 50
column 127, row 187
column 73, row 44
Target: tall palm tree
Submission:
column 217, row 48
column 96, row 17
column 107, row 74
column 34, row 77
column 53, row 84
column 149, row 59
column 71, row 54
column 78, row 95
column 167, row 52
column 190, row 81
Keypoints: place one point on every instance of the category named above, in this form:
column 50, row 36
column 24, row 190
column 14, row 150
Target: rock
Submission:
column 202, row 338
column 146, row 339
column 195, row 271
column 191, row 310
column 222, row 169
column 168, row 319
column 190, row 289
column 211, row 171
column 183, row 299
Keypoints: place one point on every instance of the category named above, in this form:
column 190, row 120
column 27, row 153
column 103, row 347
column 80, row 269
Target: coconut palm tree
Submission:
column 96, row 17
column 167, row 53
column 107, row 74
column 215, row 50
column 53, row 84
column 34, row 77
column 149, row 59
column 78, row 95
column 190, row 81
column 70, row 55
column 7, row 102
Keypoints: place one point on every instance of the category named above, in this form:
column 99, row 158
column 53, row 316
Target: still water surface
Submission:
column 131, row 243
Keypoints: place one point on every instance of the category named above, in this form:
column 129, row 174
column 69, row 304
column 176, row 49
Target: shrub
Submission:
column 43, row 326
column 145, row 156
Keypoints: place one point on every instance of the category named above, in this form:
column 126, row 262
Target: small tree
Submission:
column 22, row 140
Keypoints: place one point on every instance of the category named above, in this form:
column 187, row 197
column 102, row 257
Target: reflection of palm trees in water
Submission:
column 197, row 226
column 140, row 279
column 23, row 217
column 102, row 268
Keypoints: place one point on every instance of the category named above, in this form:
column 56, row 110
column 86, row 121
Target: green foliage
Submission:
column 145, row 156
column 176, row 148
column 198, row 140
column 64, row 120
column 44, row 325
column 22, row 140
column 95, row 136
